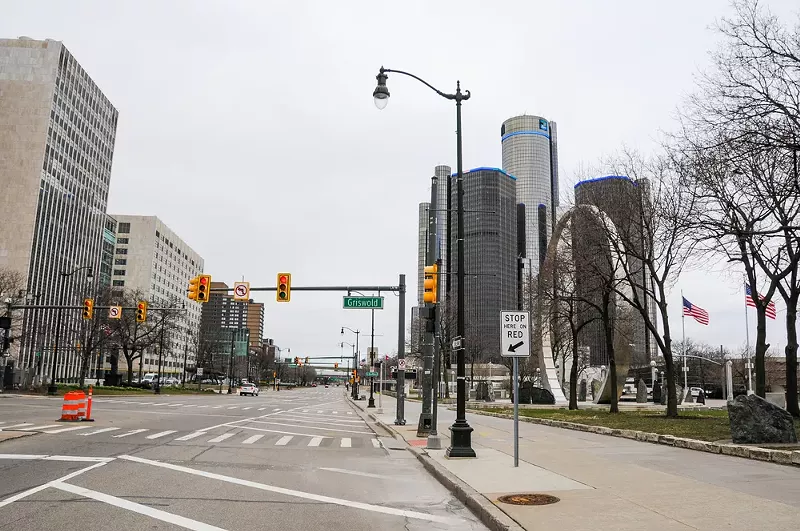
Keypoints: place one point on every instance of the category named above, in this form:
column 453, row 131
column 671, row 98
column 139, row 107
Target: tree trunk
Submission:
column 573, row 375
column 445, row 374
column 792, row 405
column 129, row 361
column 612, row 362
column 761, row 351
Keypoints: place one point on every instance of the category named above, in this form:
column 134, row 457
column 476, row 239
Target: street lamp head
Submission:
column 381, row 93
column 653, row 363
column 342, row 331
column 90, row 276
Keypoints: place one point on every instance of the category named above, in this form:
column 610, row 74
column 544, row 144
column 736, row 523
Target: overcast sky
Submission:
column 249, row 127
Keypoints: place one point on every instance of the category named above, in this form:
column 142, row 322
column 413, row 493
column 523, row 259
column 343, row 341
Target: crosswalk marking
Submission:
column 45, row 427
column 315, row 441
column 262, row 408
column 345, row 442
column 18, row 425
column 132, row 432
column 320, row 411
column 191, row 436
column 276, row 409
column 160, row 434
column 189, row 405
column 334, row 412
column 305, row 411
column 251, row 440
column 349, row 412
column 376, row 443
column 222, row 437
column 217, row 407
column 246, row 408
column 71, row 428
column 159, row 404
column 175, row 405
column 103, row 430
column 200, row 407
column 233, row 407
column 283, row 441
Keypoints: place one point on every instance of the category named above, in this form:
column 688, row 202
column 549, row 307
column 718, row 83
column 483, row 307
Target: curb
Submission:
column 487, row 512
column 779, row 457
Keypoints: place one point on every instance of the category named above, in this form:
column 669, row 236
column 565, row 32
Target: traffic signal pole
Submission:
column 425, row 418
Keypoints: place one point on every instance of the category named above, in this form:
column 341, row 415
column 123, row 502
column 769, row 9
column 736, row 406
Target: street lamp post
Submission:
column 461, row 431
column 52, row 389
column 355, row 360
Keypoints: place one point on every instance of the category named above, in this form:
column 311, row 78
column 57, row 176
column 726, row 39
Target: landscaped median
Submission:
column 693, row 430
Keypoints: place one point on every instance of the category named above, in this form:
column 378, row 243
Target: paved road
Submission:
column 303, row 459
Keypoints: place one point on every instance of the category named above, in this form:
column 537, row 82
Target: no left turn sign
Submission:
column 115, row 312
column 241, row 291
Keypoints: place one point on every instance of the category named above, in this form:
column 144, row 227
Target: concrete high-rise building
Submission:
column 151, row 259
column 255, row 322
column 530, row 153
column 107, row 258
column 622, row 200
column 422, row 248
column 490, row 257
column 56, row 149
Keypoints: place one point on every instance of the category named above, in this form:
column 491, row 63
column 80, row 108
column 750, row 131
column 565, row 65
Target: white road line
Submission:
column 74, row 458
column 310, row 427
column 321, row 411
column 349, row 412
column 376, row 443
column 160, row 434
column 299, row 494
column 280, row 431
column 276, row 409
column 190, row 405
column 262, row 408
column 25, row 457
column 201, row 407
column 315, row 441
column 239, row 421
column 251, row 440
column 175, row 405
column 345, row 442
column 233, row 407
column 334, row 412
column 103, row 430
column 158, row 514
column 132, row 432
column 45, row 427
column 62, row 430
column 18, row 425
column 160, row 404
column 246, row 408
column 305, row 411
column 191, row 436
column 335, row 422
column 217, row 407
column 34, row 490
column 357, row 473
column 283, row 441
column 221, row 437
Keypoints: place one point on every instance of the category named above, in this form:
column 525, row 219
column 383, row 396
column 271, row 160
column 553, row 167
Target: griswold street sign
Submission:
column 363, row 303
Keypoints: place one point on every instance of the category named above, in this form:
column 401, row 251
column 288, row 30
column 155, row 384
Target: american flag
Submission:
column 692, row 310
column 748, row 300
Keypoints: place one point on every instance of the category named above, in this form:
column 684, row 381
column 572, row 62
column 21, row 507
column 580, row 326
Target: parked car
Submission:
column 248, row 389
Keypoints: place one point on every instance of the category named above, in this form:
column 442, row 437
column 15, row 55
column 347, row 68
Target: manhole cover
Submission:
column 528, row 499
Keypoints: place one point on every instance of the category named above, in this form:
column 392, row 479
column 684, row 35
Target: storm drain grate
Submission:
column 528, row 499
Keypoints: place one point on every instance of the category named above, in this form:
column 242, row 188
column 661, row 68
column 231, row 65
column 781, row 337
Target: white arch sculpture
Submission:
column 623, row 315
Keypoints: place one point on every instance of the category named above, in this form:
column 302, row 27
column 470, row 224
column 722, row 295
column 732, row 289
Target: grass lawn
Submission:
column 703, row 425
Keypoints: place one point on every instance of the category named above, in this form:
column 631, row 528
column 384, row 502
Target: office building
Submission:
column 530, row 153
column 422, row 248
column 107, row 257
column 56, row 149
column 490, row 258
column 622, row 200
column 150, row 259
column 255, row 323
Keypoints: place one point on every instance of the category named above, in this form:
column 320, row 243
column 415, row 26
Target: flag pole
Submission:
column 683, row 325
column 747, row 347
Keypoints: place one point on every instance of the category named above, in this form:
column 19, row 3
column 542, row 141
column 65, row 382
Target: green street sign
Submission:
column 363, row 303
column 372, row 374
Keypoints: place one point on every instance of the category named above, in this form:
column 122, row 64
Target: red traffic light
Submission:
column 204, row 280
column 284, row 279
column 141, row 306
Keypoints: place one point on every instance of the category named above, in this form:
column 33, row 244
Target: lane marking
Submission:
column 282, row 432
column 376, row 443
column 161, row 434
column 349, row 412
column 299, row 494
column 321, row 411
column 262, row 408
column 158, row 514
column 217, row 407
column 357, row 473
column 276, row 409
column 201, row 407
column 222, row 437
column 315, row 441
column 174, row 405
column 251, row 440
column 350, row 423
column 283, row 441
column 234, row 423
column 45, row 427
column 190, row 436
column 18, row 425
column 310, row 427
column 246, row 408
column 233, row 407
column 62, row 430
column 346, row 442
column 103, row 430
column 189, row 405
column 78, row 459
column 305, row 411
column 23, row 456
column 132, row 432
column 34, row 490
column 161, row 404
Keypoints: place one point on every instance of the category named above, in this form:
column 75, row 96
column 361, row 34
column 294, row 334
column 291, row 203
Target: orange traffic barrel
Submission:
column 74, row 407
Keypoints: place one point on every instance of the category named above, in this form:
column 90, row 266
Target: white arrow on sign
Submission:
column 115, row 312
column 241, row 291
column 515, row 334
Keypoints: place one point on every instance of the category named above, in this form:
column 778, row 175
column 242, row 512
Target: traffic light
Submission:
column 306, row 360
column 141, row 312
column 431, row 294
column 203, row 288
column 194, row 288
column 284, row 287
column 335, row 365
column 296, row 360
column 88, row 308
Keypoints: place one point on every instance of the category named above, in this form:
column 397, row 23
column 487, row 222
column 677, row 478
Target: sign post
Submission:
column 515, row 343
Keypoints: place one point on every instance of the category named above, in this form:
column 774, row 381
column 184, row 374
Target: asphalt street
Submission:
column 291, row 460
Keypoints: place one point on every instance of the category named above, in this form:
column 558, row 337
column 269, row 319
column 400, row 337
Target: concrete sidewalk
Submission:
column 610, row 483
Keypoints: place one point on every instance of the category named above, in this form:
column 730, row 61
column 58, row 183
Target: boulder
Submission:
column 641, row 392
column 701, row 397
column 756, row 421
column 582, row 391
column 665, row 394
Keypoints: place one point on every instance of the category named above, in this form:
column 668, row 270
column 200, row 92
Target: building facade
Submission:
column 56, row 150
column 107, row 258
column 623, row 200
column 530, row 153
column 152, row 261
column 490, row 258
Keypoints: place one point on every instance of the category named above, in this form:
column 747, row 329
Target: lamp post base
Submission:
column 371, row 402
column 52, row 390
column 461, row 441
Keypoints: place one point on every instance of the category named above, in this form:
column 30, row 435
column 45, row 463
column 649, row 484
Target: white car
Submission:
column 248, row 389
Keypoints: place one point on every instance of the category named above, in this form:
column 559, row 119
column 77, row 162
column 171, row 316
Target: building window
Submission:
column 119, row 272
column 121, row 261
column 118, row 283
column 124, row 228
column 122, row 240
column 121, row 251
column 158, row 234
